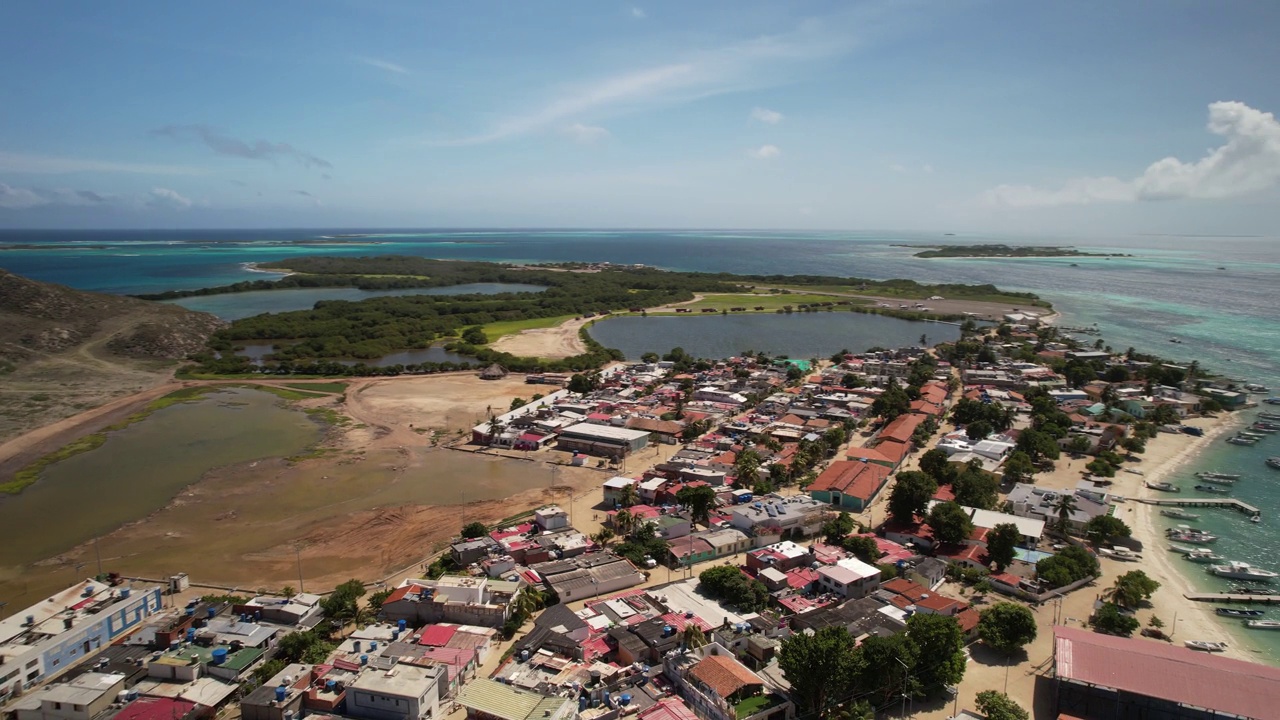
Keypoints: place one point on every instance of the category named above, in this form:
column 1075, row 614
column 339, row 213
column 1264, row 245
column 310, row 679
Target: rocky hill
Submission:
column 64, row 350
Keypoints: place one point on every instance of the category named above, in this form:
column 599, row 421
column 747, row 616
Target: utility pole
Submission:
column 906, row 678
column 98, row 551
column 297, row 553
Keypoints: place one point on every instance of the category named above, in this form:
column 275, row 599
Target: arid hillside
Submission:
column 63, row 350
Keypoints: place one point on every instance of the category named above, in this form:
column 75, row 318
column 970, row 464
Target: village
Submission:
column 887, row 533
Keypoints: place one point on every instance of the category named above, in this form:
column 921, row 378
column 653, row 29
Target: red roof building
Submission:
column 436, row 635
column 901, row 429
column 849, row 484
column 156, row 708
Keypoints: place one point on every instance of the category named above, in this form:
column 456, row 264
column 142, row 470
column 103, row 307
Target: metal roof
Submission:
column 1152, row 669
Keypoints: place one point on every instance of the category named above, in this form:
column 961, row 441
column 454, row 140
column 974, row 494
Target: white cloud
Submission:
column 166, row 198
column 45, row 165
column 1247, row 162
column 17, row 198
column 766, row 116
column 765, row 152
column 638, row 13
column 736, row 67
column 381, row 64
column 586, row 134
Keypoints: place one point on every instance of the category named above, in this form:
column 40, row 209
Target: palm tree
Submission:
column 694, row 638
column 603, row 537
column 526, row 603
column 630, row 496
column 623, row 522
column 1065, row 505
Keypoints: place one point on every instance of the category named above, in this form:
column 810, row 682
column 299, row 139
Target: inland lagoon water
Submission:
column 140, row 468
column 799, row 335
column 233, row 306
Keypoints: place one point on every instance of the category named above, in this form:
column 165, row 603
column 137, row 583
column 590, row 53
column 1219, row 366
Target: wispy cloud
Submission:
column 47, row 165
column 166, row 198
column 314, row 200
column 744, row 65
column 586, row 134
column 19, row 198
column 303, row 193
column 766, row 116
column 381, row 64
column 1247, row 162
column 223, row 144
column 765, row 152
column 638, row 13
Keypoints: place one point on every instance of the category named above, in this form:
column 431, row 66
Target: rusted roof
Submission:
column 858, row 479
column 723, row 675
column 1152, row 669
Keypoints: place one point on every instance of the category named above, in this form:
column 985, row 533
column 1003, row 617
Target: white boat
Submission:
column 1206, row 645
column 1119, row 553
column 1213, row 489
column 1195, row 538
column 1255, row 434
column 1179, row 514
column 1181, row 549
column 1259, row 429
column 1255, row 519
column 1242, row 440
column 1203, row 555
column 1175, row 340
column 1206, row 474
column 1262, row 624
column 1242, row 571
column 1166, row 487
column 1272, row 401
column 1219, row 480
column 1273, row 462
column 1256, row 388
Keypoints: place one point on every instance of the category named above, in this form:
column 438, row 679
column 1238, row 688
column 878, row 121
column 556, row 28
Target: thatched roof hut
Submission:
column 493, row 372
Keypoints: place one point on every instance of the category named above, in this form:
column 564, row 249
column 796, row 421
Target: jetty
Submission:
column 1233, row 598
column 1232, row 503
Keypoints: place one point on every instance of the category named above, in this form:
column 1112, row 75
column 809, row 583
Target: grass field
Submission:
column 496, row 330
column 771, row 302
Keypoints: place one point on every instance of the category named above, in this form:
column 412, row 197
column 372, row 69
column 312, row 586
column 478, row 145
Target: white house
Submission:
column 399, row 692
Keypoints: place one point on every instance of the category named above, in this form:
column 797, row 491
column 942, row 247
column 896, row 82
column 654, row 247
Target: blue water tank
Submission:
column 625, row 699
column 88, row 590
column 401, row 625
column 355, row 645
column 213, row 612
column 583, row 702
column 395, row 635
column 667, row 630
column 364, row 659
column 331, row 685
column 191, row 634
column 219, row 656
column 191, row 611
column 608, row 700
column 281, row 693
column 125, row 592
column 373, row 644
column 173, row 645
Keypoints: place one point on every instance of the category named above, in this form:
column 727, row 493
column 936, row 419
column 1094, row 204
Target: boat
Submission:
column 1273, row 462
column 1180, row 514
column 1212, row 489
column 1181, row 549
column 1255, row 434
column 1255, row 519
column 1234, row 612
column 1241, row 440
column 1195, row 538
column 1166, row 487
column 1263, row 624
column 1265, row 415
column 1119, row 553
column 1242, row 571
column 1203, row 555
column 1206, row 645
column 1272, row 401
column 1267, row 425
column 1258, row 429
column 1175, row 340
column 1206, row 474
column 1219, row 481
column 1256, row 388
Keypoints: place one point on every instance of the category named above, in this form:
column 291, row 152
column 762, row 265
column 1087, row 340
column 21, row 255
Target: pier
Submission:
column 1232, row 503
column 1233, row 598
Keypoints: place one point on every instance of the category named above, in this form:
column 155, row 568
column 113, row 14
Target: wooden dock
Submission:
column 1233, row 598
column 1232, row 503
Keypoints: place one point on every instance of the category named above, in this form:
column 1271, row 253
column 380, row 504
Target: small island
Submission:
column 1004, row 251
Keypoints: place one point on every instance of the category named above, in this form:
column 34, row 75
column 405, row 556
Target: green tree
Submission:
column 302, row 647
column 473, row 530
column 1111, row 620
column 376, row 599
column 1079, row 444
column 940, row 643
column 1007, row 626
column 997, row 706
column 837, row 528
column 1001, row 544
column 891, row 403
column 1106, row 528
column 341, row 604
column 977, row 430
column 745, row 468
column 1131, row 589
column 474, row 336
column 580, row 383
column 1070, row 564
column 936, row 464
column 975, row 487
column 1065, row 505
column 629, row 495
column 950, row 522
column 1038, row 446
column 699, row 500
column 1018, row 468
column 886, row 666
column 820, row 668
column 693, row 637
column 911, row 494
column 1134, row 445
column 863, row 547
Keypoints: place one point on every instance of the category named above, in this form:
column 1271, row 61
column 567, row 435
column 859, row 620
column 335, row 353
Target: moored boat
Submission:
column 1203, row 555
column 1242, row 440
column 1234, row 612
column 1206, row 645
column 1256, row 435
column 1195, row 538
column 1179, row 514
column 1206, row 474
column 1268, row 424
column 1263, row 624
column 1271, row 401
column 1256, row 388
column 1212, row 489
column 1164, row 486
column 1242, row 571
column 1259, row 428
column 1219, row 481
column 1181, row 549
column 1273, row 462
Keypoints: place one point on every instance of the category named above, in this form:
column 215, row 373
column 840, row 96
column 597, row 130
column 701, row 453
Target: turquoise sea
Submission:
column 1217, row 294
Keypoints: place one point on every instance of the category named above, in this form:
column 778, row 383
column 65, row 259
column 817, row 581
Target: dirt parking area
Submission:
column 457, row 401
column 553, row 343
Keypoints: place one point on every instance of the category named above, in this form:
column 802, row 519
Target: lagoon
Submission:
column 233, row 306
column 799, row 335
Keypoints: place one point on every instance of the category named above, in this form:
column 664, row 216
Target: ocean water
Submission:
column 1217, row 295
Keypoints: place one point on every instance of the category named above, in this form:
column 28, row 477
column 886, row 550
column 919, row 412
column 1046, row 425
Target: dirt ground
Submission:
column 552, row 343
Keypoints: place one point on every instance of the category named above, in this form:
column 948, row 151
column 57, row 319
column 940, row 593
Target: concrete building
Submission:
column 603, row 440
column 615, row 487
column 849, row 484
column 400, row 692
column 487, row 699
column 465, row 600
column 849, row 578
column 82, row 698
column 60, row 631
column 1038, row 503
column 770, row 516
column 718, row 687
column 597, row 573
column 551, row 517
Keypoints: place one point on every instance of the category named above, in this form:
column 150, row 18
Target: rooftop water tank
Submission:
column 281, row 693
column 373, row 644
column 213, row 612
column 355, row 645
column 395, row 635
column 401, row 625
column 364, row 659
column 667, row 630
column 219, row 656
column 331, row 685
column 125, row 592
column 625, row 699
column 88, row 590
column 191, row 634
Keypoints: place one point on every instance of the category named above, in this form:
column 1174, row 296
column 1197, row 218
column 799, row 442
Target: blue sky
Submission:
column 1082, row 117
